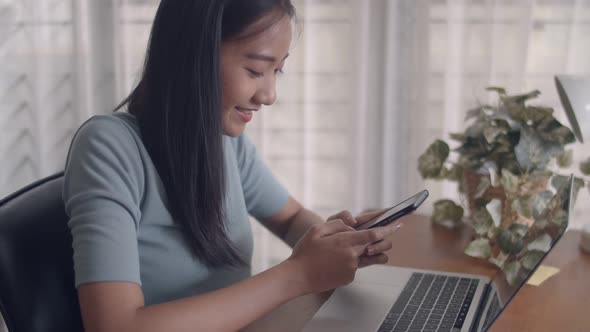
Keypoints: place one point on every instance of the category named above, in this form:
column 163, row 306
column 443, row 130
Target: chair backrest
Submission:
column 37, row 290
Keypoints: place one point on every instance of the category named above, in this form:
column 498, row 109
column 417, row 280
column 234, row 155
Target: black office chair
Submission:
column 37, row 292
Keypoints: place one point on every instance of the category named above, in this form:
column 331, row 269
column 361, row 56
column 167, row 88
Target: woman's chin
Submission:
column 233, row 129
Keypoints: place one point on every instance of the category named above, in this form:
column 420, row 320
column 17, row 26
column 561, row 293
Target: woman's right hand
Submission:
column 327, row 256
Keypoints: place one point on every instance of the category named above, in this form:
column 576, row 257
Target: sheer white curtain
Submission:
column 61, row 61
column 375, row 82
column 422, row 64
column 368, row 85
column 57, row 66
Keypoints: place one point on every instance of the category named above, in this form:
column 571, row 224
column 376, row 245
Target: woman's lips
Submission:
column 245, row 114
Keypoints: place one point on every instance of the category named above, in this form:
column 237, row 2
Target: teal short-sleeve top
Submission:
column 121, row 228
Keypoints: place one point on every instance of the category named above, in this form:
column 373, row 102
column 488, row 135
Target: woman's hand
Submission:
column 373, row 253
column 329, row 254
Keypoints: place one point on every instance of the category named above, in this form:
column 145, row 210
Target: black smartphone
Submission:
column 395, row 212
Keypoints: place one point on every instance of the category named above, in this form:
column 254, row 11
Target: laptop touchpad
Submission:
column 356, row 307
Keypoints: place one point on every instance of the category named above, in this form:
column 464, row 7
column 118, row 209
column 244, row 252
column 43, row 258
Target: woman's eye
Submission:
column 255, row 73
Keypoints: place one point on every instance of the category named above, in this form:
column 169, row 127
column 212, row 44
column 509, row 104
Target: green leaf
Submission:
column 541, row 243
column 539, row 176
column 457, row 137
column 494, row 179
column 447, row 213
column 511, row 271
column 523, row 205
column 520, row 99
column 493, row 233
column 455, row 173
column 552, row 131
column 519, row 229
column 482, row 222
column 565, row 159
column 560, row 218
column 540, row 202
column 492, row 132
column 474, row 113
column 499, row 90
column 509, row 181
column 494, row 208
column 509, row 242
column 532, row 258
column 585, row 166
column 479, row 248
column 511, row 164
column 480, row 203
column 499, row 261
column 483, row 186
column 538, row 114
column 541, row 222
column 516, row 111
column 529, row 115
column 431, row 162
column 529, row 150
column 558, row 181
column 532, row 152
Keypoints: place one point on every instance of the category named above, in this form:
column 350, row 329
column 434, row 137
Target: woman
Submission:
column 159, row 197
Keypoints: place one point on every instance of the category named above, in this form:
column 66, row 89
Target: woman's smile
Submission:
column 245, row 114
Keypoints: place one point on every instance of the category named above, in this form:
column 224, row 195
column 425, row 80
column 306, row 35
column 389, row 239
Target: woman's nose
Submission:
column 267, row 94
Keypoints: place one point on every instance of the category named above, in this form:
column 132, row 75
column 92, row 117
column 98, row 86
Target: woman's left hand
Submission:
column 374, row 253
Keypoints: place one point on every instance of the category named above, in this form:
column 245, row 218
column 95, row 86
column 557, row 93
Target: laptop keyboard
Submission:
column 431, row 302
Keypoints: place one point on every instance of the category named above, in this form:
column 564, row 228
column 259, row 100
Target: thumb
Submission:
column 346, row 217
column 332, row 227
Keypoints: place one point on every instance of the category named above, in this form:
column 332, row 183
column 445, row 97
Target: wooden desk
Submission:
column 561, row 303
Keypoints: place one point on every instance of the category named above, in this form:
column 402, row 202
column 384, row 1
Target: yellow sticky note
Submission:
column 543, row 273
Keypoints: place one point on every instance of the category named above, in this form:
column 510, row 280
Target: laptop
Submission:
column 574, row 97
column 387, row 298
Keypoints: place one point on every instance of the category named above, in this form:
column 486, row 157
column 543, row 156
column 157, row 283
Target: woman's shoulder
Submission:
column 114, row 130
column 114, row 135
column 105, row 148
column 117, row 124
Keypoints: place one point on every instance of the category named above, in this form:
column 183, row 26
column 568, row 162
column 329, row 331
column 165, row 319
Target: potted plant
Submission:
column 503, row 164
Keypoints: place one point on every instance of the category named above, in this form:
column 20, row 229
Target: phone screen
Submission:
column 396, row 212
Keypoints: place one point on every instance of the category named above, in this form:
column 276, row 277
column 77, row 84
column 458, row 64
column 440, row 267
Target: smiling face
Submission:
column 249, row 69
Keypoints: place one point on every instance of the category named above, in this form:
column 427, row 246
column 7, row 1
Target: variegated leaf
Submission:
column 479, row 248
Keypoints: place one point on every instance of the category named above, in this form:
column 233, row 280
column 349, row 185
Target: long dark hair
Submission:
column 178, row 106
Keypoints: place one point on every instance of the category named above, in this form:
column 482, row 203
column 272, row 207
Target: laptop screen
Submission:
column 537, row 241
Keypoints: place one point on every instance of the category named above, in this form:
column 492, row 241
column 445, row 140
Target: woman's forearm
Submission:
column 236, row 306
column 326, row 257
column 299, row 224
column 227, row 309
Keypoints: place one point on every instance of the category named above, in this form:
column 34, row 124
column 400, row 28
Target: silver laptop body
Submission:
column 372, row 301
